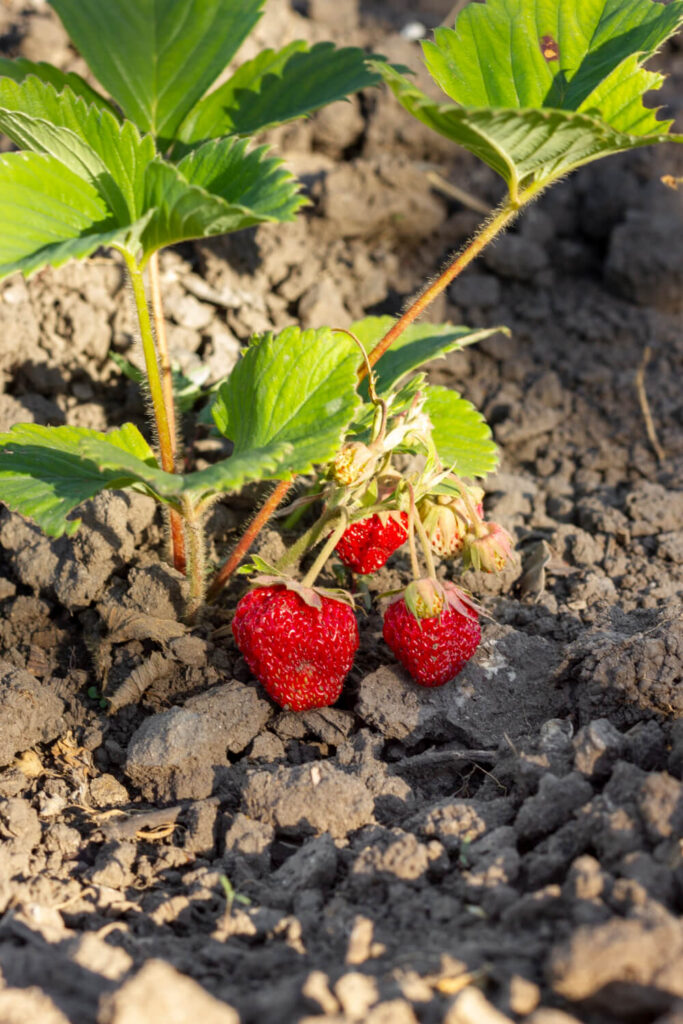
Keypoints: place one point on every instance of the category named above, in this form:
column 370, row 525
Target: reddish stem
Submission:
column 247, row 539
column 486, row 233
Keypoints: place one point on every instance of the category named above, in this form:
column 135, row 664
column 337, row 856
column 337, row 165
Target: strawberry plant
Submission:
column 534, row 90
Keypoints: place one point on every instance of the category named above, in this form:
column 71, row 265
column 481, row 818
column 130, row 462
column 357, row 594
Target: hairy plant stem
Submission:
column 162, row 346
column 500, row 219
column 331, row 543
column 175, row 519
column 247, row 539
column 165, row 436
column 196, row 560
column 307, row 540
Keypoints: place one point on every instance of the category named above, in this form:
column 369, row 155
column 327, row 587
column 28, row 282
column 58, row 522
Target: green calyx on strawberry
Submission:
column 298, row 641
column 427, row 597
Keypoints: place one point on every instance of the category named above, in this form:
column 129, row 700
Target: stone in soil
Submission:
column 174, row 754
column 308, row 799
column 30, row 712
column 158, row 994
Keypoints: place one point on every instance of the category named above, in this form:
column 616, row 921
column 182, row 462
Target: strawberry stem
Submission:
column 491, row 227
column 160, row 406
column 247, row 539
column 307, row 540
column 412, row 515
column 475, row 518
column 196, row 556
column 415, row 523
column 175, row 519
column 426, row 548
column 331, row 543
column 379, row 429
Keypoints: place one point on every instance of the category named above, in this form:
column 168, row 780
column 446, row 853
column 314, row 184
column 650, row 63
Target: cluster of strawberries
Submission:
column 300, row 641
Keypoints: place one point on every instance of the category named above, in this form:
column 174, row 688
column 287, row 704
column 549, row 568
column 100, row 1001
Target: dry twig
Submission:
column 645, row 406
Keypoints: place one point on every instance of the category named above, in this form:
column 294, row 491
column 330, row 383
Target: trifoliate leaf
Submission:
column 547, row 54
column 541, row 87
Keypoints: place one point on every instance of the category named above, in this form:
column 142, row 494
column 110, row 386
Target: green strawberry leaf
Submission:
column 20, row 68
column 50, row 215
column 461, row 434
column 278, row 86
column 254, row 180
column 218, row 187
column 228, row 475
column 520, row 54
column 419, row 344
column 541, row 87
column 228, row 189
column 46, row 472
column 87, row 139
column 158, row 58
column 527, row 148
column 296, row 388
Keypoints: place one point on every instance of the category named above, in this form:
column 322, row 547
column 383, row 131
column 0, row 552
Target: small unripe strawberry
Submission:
column 352, row 463
column 366, row 545
column 445, row 527
column 488, row 550
column 447, row 520
column 432, row 648
column 299, row 645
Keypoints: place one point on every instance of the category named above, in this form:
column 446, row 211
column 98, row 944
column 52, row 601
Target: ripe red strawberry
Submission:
column 435, row 639
column 366, row 545
column 299, row 652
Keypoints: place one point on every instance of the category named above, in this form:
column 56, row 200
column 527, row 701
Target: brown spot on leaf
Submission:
column 550, row 48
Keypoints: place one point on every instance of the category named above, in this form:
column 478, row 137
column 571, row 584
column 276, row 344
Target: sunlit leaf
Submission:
column 461, row 434
column 540, row 87
column 295, row 388
column 158, row 57
column 276, row 87
column 46, row 472
column 49, row 215
column 87, row 139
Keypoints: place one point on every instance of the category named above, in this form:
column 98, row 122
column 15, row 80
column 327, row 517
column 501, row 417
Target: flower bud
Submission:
column 490, row 550
column 352, row 462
